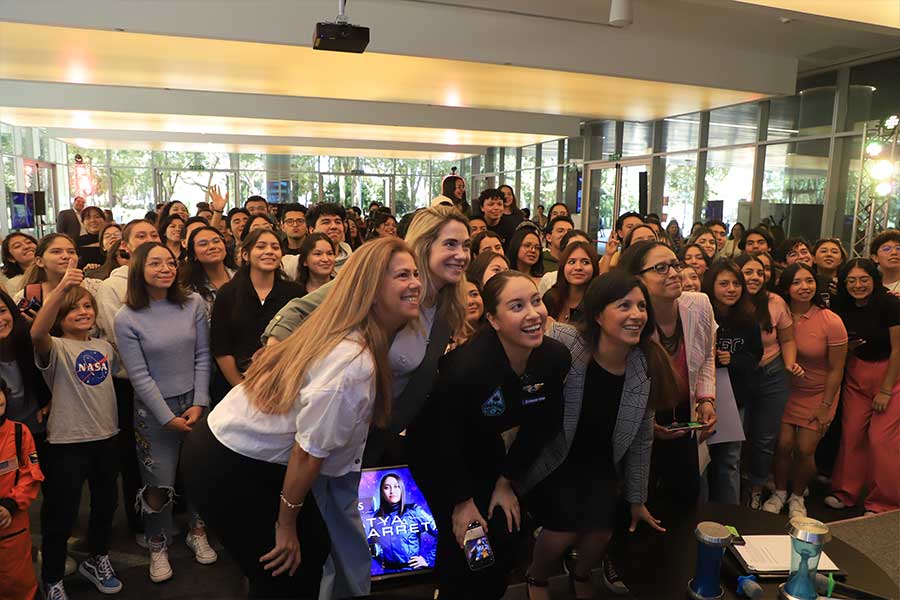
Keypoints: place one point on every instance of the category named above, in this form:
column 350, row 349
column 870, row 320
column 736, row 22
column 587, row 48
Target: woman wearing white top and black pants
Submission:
column 303, row 412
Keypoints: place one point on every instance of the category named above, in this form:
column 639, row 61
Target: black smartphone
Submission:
column 26, row 304
column 477, row 548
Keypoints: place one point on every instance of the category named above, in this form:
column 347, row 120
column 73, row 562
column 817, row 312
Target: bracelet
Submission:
column 288, row 503
column 884, row 391
column 704, row 401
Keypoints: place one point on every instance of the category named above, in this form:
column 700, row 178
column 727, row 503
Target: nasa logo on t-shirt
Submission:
column 91, row 367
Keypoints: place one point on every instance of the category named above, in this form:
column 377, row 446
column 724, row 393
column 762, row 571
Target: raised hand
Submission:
column 217, row 200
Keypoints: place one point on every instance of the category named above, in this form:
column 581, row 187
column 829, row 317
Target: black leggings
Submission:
column 66, row 467
column 239, row 500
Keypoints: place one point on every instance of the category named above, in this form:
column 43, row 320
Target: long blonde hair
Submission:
column 274, row 378
column 423, row 232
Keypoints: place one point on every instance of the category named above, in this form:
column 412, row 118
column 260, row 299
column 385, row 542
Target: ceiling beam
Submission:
column 72, row 96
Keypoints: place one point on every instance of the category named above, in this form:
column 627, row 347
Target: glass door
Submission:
column 191, row 187
column 614, row 188
column 601, row 204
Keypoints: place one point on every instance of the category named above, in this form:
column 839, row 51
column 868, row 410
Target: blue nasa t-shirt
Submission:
column 79, row 375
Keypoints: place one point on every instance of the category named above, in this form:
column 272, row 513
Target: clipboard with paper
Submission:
column 769, row 557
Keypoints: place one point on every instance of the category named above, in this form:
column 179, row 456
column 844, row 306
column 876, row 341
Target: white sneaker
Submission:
column 160, row 569
column 796, row 507
column 832, row 501
column 775, row 503
column 203, row 553
column 55, row 591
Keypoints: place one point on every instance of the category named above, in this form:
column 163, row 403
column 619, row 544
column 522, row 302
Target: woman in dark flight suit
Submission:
column 497, row 403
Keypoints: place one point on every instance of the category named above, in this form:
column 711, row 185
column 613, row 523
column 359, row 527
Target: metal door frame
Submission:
column 618, row 166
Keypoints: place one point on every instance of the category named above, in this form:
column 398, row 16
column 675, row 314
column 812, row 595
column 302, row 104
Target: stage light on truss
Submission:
column 892, row 121
column 881, row 170
column 874, row 149
column 884, row 188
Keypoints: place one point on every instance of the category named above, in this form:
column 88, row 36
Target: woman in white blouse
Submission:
column 298, row 424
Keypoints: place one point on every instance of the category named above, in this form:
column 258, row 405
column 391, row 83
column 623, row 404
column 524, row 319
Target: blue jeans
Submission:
column 158, row 450
column 762, row 418
column 725, row 472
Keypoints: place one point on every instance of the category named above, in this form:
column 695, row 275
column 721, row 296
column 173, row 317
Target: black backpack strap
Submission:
column 18, row 436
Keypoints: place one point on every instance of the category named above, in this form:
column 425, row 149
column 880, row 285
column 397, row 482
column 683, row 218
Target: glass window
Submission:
column 603, row 140
column 131, row 192
column 678, row 191
column 252, row 162
column 92, row 183
column 508, row 159
column 529, row 156
column 525, row 193
column 303, row 188
column 729, row 177
column 490, row 162
column 253, row 183
column 549, row 178
column 681, row 133
column 442, row 168
column 377, row 165
column 411, row 186
column 550, row 153
column 874, row 92
column 808, row 113
column 733, row 125
column 848, row 179
column 337, row 164
column 637, row 139
column 304, row 163
column 574, row 149
column 9, row 177
column 7, row 146
column 95, row 157
column 794, row 183
column 130, row 158
column 602, row 198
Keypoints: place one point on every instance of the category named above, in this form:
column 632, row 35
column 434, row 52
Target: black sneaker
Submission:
column 611, row 578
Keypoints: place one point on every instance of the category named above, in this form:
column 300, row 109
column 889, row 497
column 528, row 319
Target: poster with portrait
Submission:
column 399, row 527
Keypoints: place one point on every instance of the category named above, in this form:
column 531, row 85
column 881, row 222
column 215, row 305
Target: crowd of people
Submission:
column 531, row 385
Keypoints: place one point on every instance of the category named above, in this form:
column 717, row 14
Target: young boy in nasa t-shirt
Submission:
column 81, row 433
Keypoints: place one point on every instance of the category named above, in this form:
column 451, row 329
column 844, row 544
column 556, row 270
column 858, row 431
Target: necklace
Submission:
column 670, row 342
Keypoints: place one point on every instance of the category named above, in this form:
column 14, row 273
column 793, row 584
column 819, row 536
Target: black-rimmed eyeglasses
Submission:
column 663, row 268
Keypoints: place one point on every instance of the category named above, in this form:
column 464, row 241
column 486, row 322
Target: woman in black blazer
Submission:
column 497, row 403
column 618, row 376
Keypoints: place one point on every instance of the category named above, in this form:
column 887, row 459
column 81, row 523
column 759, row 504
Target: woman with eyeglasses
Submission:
column 885, row 251
column 524, row 253
column 203, row 270
column 163, row 339
column 821, row 351
column 868, row 456
column 686, row 329
column 770, row 384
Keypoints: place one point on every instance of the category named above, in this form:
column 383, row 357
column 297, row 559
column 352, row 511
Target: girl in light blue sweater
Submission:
column 163, row 339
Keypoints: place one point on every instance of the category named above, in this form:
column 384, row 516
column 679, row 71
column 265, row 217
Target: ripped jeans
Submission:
column 158, row 450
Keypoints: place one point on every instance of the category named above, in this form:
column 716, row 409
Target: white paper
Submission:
column 729, row 427
column 772, row 553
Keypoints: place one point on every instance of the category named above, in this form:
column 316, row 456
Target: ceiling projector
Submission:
column 341, row 37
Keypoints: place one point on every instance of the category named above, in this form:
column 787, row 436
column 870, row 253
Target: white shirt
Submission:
column 408, row 348
column 330, row 418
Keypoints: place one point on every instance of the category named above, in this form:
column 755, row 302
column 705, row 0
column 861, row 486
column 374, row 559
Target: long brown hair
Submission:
column 34, row 273
column 423, row 232
column 562, row 290
column 274, row 378
column 602, row 292
column 136, row 296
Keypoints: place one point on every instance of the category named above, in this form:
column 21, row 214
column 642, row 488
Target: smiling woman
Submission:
column 162, row 336
column 508, row 376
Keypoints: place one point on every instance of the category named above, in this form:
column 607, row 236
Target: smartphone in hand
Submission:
column 477, row 548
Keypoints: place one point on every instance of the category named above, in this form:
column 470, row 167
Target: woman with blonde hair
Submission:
column 298, row 424
column 439, row 240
